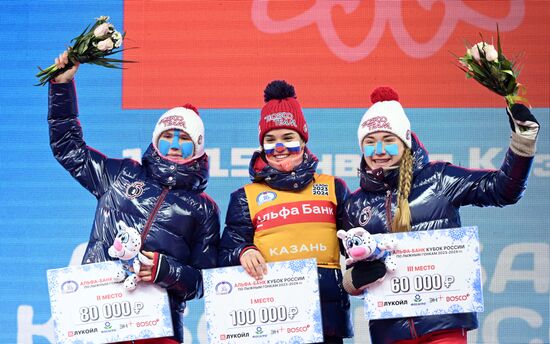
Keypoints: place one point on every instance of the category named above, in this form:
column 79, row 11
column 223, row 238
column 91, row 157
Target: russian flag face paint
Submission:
column 293, row 147
column 379, row 148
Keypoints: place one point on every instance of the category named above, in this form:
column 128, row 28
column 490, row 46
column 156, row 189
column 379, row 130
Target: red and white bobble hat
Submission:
column 185, row 118
column 281, row 110
column 385, row 114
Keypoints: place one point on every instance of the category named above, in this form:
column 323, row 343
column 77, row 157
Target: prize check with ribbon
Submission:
column 89, row 307
column 283, row 307
column 438, row 272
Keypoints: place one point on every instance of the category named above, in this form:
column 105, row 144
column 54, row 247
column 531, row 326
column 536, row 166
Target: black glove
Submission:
column 366, row 272
column 522, row 121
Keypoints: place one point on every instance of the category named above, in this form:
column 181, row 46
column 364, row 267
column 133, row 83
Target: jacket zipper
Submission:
column 149, row 222
column 388, row 219
column 388, row 210
column 413, row 330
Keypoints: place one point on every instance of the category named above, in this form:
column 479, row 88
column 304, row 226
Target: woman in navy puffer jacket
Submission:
column 162, row 198
column 400, row 190
column 283, row 177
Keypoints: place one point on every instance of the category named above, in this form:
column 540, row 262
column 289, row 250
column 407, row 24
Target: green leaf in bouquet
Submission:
column 499, row 46
column 477, row 69
column 104, row 63
column 511, row 88
column 77, row 38
column 81, row 49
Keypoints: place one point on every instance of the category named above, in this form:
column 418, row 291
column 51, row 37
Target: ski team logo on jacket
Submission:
column 365, row 215
column 134, row 190
column 296, row 225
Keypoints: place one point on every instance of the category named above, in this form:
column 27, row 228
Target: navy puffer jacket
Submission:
column 163, row 200
column 438, row 190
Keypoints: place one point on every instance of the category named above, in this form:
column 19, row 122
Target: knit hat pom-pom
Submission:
column 191, row 107
column 278, row 89
column 383, row 93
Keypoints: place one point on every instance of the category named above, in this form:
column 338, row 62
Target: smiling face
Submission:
column 175, row 144
column 283, row 148
column 382, row 150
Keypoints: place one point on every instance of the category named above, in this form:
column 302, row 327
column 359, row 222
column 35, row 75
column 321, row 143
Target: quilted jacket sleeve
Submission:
column 92, row 169
column 186, row 279
column 238, row 235
column 488, row 187
column 342, row 195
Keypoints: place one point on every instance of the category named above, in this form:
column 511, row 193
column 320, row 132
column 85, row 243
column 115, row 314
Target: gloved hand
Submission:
column 366, row 272
column 522, row 121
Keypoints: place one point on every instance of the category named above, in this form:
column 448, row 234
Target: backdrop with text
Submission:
column 219, row 55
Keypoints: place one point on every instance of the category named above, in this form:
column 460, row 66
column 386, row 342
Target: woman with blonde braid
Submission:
column 401, row 190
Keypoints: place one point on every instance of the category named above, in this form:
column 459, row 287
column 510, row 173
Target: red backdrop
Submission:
column 221, row 54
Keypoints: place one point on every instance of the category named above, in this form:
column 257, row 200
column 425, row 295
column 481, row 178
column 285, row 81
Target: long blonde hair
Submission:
column 402, row 219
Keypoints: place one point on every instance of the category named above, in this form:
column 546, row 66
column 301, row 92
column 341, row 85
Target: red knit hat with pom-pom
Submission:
column 385, row 114
column 281, row 110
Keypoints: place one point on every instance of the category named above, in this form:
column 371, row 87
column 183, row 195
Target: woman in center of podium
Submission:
column 283, row 177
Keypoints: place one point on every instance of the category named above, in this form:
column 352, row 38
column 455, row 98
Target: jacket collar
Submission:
column 375, row 182
column 298, row 179
column 192, row 176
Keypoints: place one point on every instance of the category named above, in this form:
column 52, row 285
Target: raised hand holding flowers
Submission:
column 488, row 66
column 93, row 45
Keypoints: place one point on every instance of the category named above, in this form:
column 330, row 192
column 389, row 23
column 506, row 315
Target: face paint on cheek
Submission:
column 293, row 147
column 269, row 148
column 187, row 149
column 369, row 150
column 391, row 149
column 164, row 146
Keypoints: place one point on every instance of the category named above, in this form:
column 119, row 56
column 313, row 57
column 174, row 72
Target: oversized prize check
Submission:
column 89, row 307
column 438, row 272
column 283, row 307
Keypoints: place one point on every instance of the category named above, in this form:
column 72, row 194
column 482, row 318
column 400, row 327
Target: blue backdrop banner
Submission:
column 46, row 216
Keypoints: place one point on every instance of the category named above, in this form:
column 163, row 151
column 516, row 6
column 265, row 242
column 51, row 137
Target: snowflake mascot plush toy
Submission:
column 126, row 248
column 361, row 245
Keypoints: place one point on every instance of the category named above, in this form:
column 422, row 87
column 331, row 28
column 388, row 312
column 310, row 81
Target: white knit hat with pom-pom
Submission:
column 185, row 118
column 385, row 114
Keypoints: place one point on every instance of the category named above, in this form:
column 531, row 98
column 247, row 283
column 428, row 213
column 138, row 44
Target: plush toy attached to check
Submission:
column 361, row 245
column 126, row 248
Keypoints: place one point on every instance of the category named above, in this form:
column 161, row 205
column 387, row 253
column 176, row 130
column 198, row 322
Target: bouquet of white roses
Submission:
column 488, row 66
column 93, row 45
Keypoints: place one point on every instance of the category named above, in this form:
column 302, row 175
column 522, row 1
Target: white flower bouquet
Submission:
column 93, row 45
column 488, row 66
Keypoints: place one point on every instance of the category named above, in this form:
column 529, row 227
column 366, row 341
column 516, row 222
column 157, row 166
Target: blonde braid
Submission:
column 402, row 219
